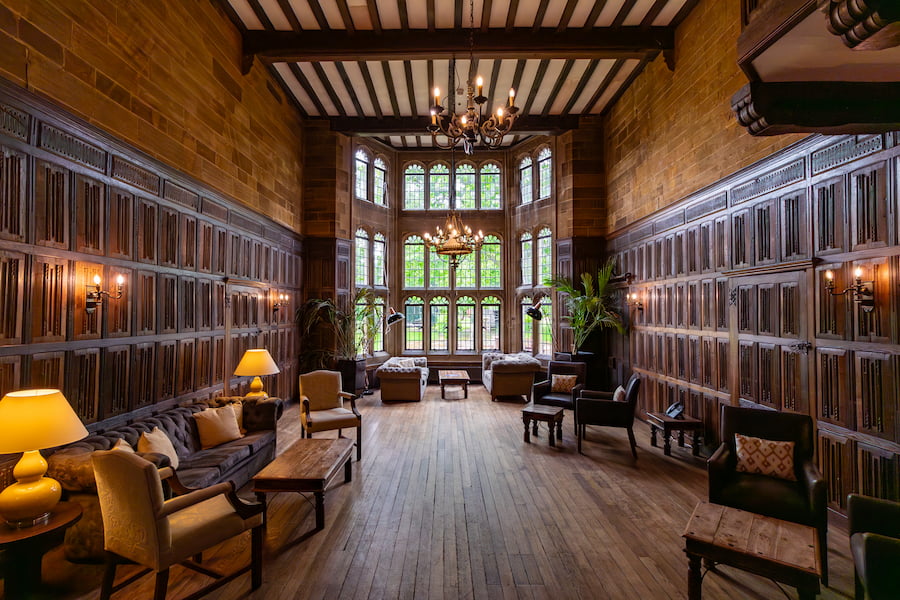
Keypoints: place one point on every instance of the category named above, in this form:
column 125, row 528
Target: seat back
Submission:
column 131, row 500
column 769, row 425
column 631, row 392
column 557, row 367
column 323, row 389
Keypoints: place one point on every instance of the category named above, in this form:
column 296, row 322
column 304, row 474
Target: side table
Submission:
column 666, row 424
column 551, row 415
column 26, row 547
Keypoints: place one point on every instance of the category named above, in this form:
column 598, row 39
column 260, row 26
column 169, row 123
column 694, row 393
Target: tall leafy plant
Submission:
column 329, row 333
column 589, row 305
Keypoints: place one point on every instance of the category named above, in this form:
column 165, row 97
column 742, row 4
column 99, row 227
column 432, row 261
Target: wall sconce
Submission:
column 94, row 295
column 863, row 291
column 633, row 301
column 281, row 300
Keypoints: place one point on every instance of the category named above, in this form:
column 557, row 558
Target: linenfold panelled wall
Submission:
column 201, row 273
column 735, row 308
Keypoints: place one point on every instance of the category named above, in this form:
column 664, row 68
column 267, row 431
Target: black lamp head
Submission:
column 535, row 313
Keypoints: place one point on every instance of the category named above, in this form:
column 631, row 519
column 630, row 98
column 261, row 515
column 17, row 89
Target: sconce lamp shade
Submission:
column 256, row 362
column 535, row 313
column 30, row 421
column 394, row 317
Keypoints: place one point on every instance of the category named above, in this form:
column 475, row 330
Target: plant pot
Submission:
column 353, row 374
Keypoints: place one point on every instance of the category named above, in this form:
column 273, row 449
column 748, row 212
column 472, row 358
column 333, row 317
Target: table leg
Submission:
column 348, row 472
column 320, row 509
column 261, row 498
column 667, row 442
column 681, row 438
column 534, row 428
column 527, row 436
column 443, row 397
column 695, row 443
column 695, row 579
column 559, row 429
column 805, row 594
column 466, row 390
column 653, row 435
column 552, row 436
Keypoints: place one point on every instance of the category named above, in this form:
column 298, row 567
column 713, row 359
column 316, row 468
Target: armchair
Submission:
column 600, row 408
column 322, row 406
column 875, row 546
column 801, row 501
column 140, row 526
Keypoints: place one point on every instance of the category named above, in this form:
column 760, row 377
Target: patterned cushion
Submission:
column 406, row 362
column 619, row 394
column 563, row 384
column 766, row 457
column 158, row 441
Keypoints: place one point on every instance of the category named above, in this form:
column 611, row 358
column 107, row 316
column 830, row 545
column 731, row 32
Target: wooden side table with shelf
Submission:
column 667, row 425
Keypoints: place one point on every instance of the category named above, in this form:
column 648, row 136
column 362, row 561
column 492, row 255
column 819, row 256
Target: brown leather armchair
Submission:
column 875, row 546
column 542, row 393
column 599, row 408
column 802, row 501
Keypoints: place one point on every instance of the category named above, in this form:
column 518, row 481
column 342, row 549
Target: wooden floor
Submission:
column 449, row 502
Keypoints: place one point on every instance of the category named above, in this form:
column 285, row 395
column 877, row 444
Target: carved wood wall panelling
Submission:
column 116, row 368
column 794, row 226
column 835, row 402
column 12, row 276
column 876, row 325
column 82, row 389
column 830, row 210
column 51, row 205
column 10, row 374
column 878, row 472
column 121, row 223
column 117, row 314
column 836, row 461
column 90, row 215
column 168, row 237
column 876, row 394
column 167, row 301
column 87, row 325
column 832, row 312
column 765, row 226
column 49, row 299
column 144, row 372
column 186, row 365
column 203, row 369
column 869, row 206
column 147, row 230
column 47, row 370
column 13, row 197
column 167, row 365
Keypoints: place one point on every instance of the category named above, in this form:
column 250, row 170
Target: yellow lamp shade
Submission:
column 254, row 363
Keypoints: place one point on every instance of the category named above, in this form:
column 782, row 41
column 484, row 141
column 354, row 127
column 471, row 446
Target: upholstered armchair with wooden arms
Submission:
column 141, row 526
column 875, row 546
column 543, row 392
column 322, row 406
column 802, row 499
column 602, row 408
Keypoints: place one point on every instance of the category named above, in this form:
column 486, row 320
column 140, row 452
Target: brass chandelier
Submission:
column 454, row 239
column 448, row 129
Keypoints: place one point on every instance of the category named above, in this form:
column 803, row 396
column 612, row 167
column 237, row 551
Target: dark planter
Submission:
column 594, row 378
column 353, row 374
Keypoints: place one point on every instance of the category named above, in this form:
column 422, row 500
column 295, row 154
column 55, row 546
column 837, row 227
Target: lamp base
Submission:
column 30, row 522
column 29, row 501
column 256, row 389
column 257, row 395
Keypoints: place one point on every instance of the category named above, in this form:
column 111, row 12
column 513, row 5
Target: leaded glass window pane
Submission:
column 415, row 323
column 465, row 187
column 414, row 262
column 545, row 334
column 378, row 262
column 439, row 187
column 362, row 257
column 362, row 175
column 439, row 324
column 465, row 272
column 490, row 186
column 490, row 324
column 545, row 173
column 527, row 326
column 379, row 183
column 414, row 188
column 527, row 259
column 438, row 270
column 378, row 340
column 545, row 256
column 465, row 324
column 360, row 328
column 490, row 262
column 525, row 185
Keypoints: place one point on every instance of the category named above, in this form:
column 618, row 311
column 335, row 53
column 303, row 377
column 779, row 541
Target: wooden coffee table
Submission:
column 307, row 466
column 454, row 377
column 780, row 550
column 666, row 424
column 551, row 415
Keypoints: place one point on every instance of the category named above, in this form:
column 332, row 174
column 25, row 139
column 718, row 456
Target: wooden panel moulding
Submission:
column 203, row 369
column 722, row 354
column 868, row 198
column 144, row 374
column 793, row 227
column 875, row 325
column 168, row 303
column 147, row 231
column 832, row 311
column 12, row 194
column 188, row 300
column 748, row 371
column 218, row 365
column 836, row 461
column 135, row 175
column 207, row 242
column 794, row 377
column 12, row 272
column 87, row 325
column 768, row 309
column 83, row 386
column 768, row 375
column 10, row 374
column 167, row 369
column 146, row 302
column 878, row 472
column 722, row 301
column 51, row 206
column 204, row 304
column 741, row 232
column 90, row 215
column 833, row 387
column 876, row 394
column 116, row 368
column 186, row 365
column 830, row 222
column 168, row 237
column 48, row 370
column 69, row 146
column 764, row 233
column 49, row 301
column 788, row 309
column 117, row 313
column 121, row 206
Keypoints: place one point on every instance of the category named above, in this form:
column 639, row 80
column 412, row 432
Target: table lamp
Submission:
column 256, row 362
column 30, row 421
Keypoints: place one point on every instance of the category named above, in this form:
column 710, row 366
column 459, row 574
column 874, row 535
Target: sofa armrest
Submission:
column 262, row 414
column 873, row 515
column 717, row 467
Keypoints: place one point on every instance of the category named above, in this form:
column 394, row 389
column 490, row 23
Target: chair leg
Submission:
column 859, row 590
column 359, row 442
column 162, row 583
column 109, row 576
column 256, row 557
column 578, row 438
column 633, row 443
column 823, row 554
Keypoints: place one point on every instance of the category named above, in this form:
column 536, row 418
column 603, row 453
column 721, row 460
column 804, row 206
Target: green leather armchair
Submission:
column 875, row 546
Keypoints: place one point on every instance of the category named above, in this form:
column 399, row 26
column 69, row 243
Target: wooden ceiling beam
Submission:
column 388, row 126
column 317, row 46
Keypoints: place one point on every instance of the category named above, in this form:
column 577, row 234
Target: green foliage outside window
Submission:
column 438, row 271
column 490, row 262
column 414, row 188
column 414, row 262
column 362, row 175
column 465, row 324
column 415, row 323
column 527, row 325
column 545, row 255
column 439, row 319
column 362, row 257
column 378, row 266
column 545, row 173
column 527, row 264
column 379, row 182
column 490, row 323
column 465, row 187
column 490, row 186
column 466, row 272
column 525, row 189
column 439, row 187
column 545, row 333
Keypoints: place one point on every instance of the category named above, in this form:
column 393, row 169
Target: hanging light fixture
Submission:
column 454, row 239
column 448, row 129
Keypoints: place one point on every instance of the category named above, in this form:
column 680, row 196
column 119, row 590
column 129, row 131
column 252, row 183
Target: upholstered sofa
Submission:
column 402, row 382
column 508, row 375
column 235, row 461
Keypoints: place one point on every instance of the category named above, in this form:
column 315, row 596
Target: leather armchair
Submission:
column 875, row 546
column 141, row 526
column 599, row 408
column 541, row 392
column 322, row 406
column 802, row 501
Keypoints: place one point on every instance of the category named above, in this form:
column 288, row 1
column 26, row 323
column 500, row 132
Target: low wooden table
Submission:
column 454, row 377
column 666, row 424
column 780, row 550
column 551, row 415
column 307, row 466
column 24, row 548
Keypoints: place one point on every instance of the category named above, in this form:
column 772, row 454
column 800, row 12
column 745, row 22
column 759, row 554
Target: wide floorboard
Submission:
column 449, row 502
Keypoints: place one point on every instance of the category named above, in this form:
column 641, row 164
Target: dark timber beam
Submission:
column 370, row 127
column 316, row 46
column 864, row 24
column 818, row 107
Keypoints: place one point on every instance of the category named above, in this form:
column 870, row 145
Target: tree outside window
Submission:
column 439, row 319
column 545, row 174
column 527, row 325
column 465, row 187
column 490, row 187
column 361, row 186
column 545, row 330
column 439, row 187
column 379, row 183
column 438, row 270
column 379, row 250
column 414, row 309
column 362, row 257
column 465, row 274
column 465, row 324
column 527, row 259
column 414, row 262
column 491, row 259
column 545, row 256
column 378, row 338
column 490, row 324
column 526, row 192
column 414, row 188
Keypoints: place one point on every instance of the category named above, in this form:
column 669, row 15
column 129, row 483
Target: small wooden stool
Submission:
column 666, row 424
column 551, row 415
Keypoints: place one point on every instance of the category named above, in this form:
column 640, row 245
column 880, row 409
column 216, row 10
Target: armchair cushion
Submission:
column 333, row 418
column 766, row 457
column 771, row 496
column 563, row 383
column 157, row 441
column 619, row 394
column 217, row 426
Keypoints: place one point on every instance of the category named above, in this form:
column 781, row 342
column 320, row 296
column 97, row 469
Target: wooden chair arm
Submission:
column 195, row 497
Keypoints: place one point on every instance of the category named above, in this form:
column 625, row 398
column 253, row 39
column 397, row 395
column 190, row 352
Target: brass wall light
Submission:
column 632, row 300
column 863, row 291
column 94, row 294
column 280, row 301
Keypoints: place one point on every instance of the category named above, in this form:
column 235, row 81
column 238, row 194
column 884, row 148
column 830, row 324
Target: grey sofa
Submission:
column 235, row 461
column 399, row 383
column 508, row 375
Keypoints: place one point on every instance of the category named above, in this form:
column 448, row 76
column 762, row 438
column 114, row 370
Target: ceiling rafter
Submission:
column 392, row 126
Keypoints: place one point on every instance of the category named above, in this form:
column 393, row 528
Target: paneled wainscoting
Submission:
column 449, row 502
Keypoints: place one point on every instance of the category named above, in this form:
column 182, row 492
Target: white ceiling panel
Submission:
column 568, row 87
column 638, row 12
column 304, row 15
column 332, row 13
column 399, row 76
column 627, row 68
column 668, row 12
column 593, row 84
column 318, row 89
column 389, row 13
column 246, row 14
column 275, row 14
column 609, row 13
column 284, row 71
column 354, row 74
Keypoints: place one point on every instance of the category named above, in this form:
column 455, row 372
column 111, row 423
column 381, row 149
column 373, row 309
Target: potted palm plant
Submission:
column 590, row 306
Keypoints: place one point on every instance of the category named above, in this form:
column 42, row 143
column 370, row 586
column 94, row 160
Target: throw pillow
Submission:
column 123, row 446
column 619, row 394
column 157, row 441
column 217, row 426
column 238, row 408
column 563, row 384
column 406, row 362
column 766, row 457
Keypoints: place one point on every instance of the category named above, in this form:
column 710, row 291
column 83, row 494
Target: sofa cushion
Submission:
column 553, row 399
column 255, row 440
column 221, row 457
column 761, row 494
column 217, row 426
column 157, row 441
